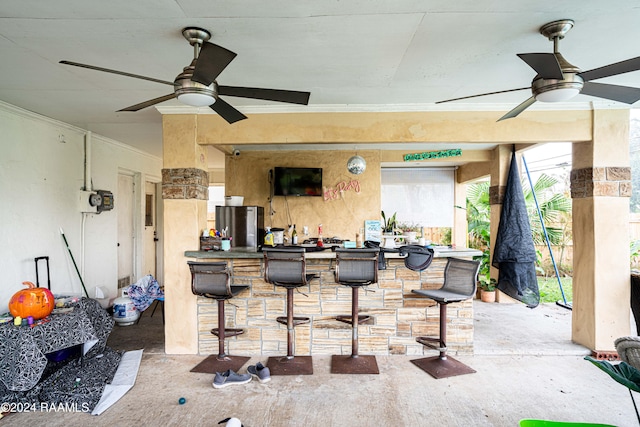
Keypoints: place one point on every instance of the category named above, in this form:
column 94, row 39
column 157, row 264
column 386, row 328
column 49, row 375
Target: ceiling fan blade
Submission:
column 226, row 111
column 622, row 67
column 211, row 61
column 291, row 96
column 122, row 73
column 625, row 94
column 519, row 109
column 483, row 94
column 545, row 64
column 149, row 103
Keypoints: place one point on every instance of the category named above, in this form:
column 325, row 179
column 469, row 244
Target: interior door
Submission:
column 125, row 230
column 150, row 237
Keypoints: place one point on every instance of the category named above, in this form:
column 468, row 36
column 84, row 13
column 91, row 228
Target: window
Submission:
column 422, row 196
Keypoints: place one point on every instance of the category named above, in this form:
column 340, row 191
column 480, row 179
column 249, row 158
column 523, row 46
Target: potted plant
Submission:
column 388, row 224
column 487, row 289
column 410, row 230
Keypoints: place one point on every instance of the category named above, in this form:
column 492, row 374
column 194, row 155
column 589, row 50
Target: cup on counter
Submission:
column 225, row 244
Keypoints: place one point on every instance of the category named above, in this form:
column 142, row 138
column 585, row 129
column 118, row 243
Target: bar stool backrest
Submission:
column 285, row 266
column 210, row 279
column 460, row 276
column 357, row 265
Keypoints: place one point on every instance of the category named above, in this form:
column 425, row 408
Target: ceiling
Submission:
column 355, row 55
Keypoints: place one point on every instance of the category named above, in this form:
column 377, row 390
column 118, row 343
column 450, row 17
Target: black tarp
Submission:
column 514, row 253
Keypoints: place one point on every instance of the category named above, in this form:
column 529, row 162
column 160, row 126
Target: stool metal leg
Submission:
column 222, row 361
column 290, row 364
column 354, row 364
column 441, row 366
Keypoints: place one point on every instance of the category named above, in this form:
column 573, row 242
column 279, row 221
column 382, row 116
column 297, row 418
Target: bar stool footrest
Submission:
column 347, row 319
column 296, row 320
column 429, row 342
column 227, row 332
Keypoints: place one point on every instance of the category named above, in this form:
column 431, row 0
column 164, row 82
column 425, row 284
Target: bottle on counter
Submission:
column 294, row 236
column 359, row 239
column 320, row 242
column 268, row 237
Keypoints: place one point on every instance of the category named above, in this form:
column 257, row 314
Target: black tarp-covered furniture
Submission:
column 514, row 253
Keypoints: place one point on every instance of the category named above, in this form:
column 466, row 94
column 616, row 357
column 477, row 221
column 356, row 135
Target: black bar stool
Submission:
column 460, row 277
column 355, row 268
column 286, row 267
column 212, row 280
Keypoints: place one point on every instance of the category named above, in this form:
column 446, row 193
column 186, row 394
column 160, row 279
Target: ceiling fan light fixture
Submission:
column 549, row 90
column 196, row 99
column 558, row 95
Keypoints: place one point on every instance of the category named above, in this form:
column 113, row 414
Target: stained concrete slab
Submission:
column 520, row 381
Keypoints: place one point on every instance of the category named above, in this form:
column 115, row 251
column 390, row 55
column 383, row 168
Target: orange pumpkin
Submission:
column 33, row 301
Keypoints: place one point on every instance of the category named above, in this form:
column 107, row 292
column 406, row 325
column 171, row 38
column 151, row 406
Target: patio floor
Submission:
column 527, row 367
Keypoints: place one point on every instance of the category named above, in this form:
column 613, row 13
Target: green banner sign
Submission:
column 433, row 155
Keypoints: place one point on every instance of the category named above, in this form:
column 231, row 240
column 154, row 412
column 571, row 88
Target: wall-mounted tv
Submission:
column 297, row 181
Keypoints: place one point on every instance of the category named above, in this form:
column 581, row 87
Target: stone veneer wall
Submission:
column 601, row 181
column 185, row 183
column 397, row 315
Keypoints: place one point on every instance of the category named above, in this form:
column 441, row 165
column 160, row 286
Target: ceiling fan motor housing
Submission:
column 562, row 90
column 183, row 84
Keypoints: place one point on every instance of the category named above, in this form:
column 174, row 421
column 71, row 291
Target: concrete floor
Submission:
column 526, row 367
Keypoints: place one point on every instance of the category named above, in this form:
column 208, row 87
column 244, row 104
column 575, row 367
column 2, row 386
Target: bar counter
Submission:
column 397, row 314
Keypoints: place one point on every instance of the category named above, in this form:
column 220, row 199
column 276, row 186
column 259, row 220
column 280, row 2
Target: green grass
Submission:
column 550, row 291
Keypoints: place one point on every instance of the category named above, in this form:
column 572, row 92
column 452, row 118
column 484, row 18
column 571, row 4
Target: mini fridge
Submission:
column 245, row 224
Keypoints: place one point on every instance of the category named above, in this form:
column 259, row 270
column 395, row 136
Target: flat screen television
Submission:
column 297, row 181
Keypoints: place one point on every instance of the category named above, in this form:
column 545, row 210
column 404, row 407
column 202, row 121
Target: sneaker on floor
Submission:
column 260, row 371
column 223, row 379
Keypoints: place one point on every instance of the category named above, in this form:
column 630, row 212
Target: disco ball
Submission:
column 356, row 165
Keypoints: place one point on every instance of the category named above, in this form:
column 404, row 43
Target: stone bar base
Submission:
column 397, row 315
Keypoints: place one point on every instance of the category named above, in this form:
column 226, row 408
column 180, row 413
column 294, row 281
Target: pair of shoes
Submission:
column 223, row 379
column 260, row 371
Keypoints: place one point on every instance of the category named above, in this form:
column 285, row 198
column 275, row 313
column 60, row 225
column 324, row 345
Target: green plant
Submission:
column 388, row 225
column 487, row 285
column 408, row 227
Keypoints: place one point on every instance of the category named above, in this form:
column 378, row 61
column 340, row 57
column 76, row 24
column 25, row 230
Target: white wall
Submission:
column 40, row 177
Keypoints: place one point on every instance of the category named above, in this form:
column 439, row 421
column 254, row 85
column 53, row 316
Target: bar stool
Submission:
column 212, row 280
column 286, row 267
column 355, row 268
column 460, row 277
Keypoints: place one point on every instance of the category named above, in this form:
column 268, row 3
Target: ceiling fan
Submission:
column 197, row 86
column 558, row 80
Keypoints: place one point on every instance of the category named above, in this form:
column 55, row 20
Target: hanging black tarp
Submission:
column 514, row 254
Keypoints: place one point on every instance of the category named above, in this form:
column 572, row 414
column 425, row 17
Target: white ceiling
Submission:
column 351, row 55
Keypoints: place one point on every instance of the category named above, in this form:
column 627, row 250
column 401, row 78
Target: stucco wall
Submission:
column 247, row 175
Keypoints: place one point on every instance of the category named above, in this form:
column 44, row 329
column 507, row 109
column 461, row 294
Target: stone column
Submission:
column 600, row 189
column 184, row 193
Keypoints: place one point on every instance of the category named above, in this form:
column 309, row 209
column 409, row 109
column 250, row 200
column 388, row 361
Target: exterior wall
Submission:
column 41, row 173
column 341, row 213
column 397, row 315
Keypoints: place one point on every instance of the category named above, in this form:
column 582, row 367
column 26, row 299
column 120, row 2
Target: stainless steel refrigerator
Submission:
column 245, row 224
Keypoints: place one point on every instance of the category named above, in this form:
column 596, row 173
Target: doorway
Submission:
column 126, row 230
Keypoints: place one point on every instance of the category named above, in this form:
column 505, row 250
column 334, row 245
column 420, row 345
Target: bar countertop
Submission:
column 253, row 253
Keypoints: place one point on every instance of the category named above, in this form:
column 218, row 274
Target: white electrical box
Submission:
column 95, row 201
column 84, row 201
